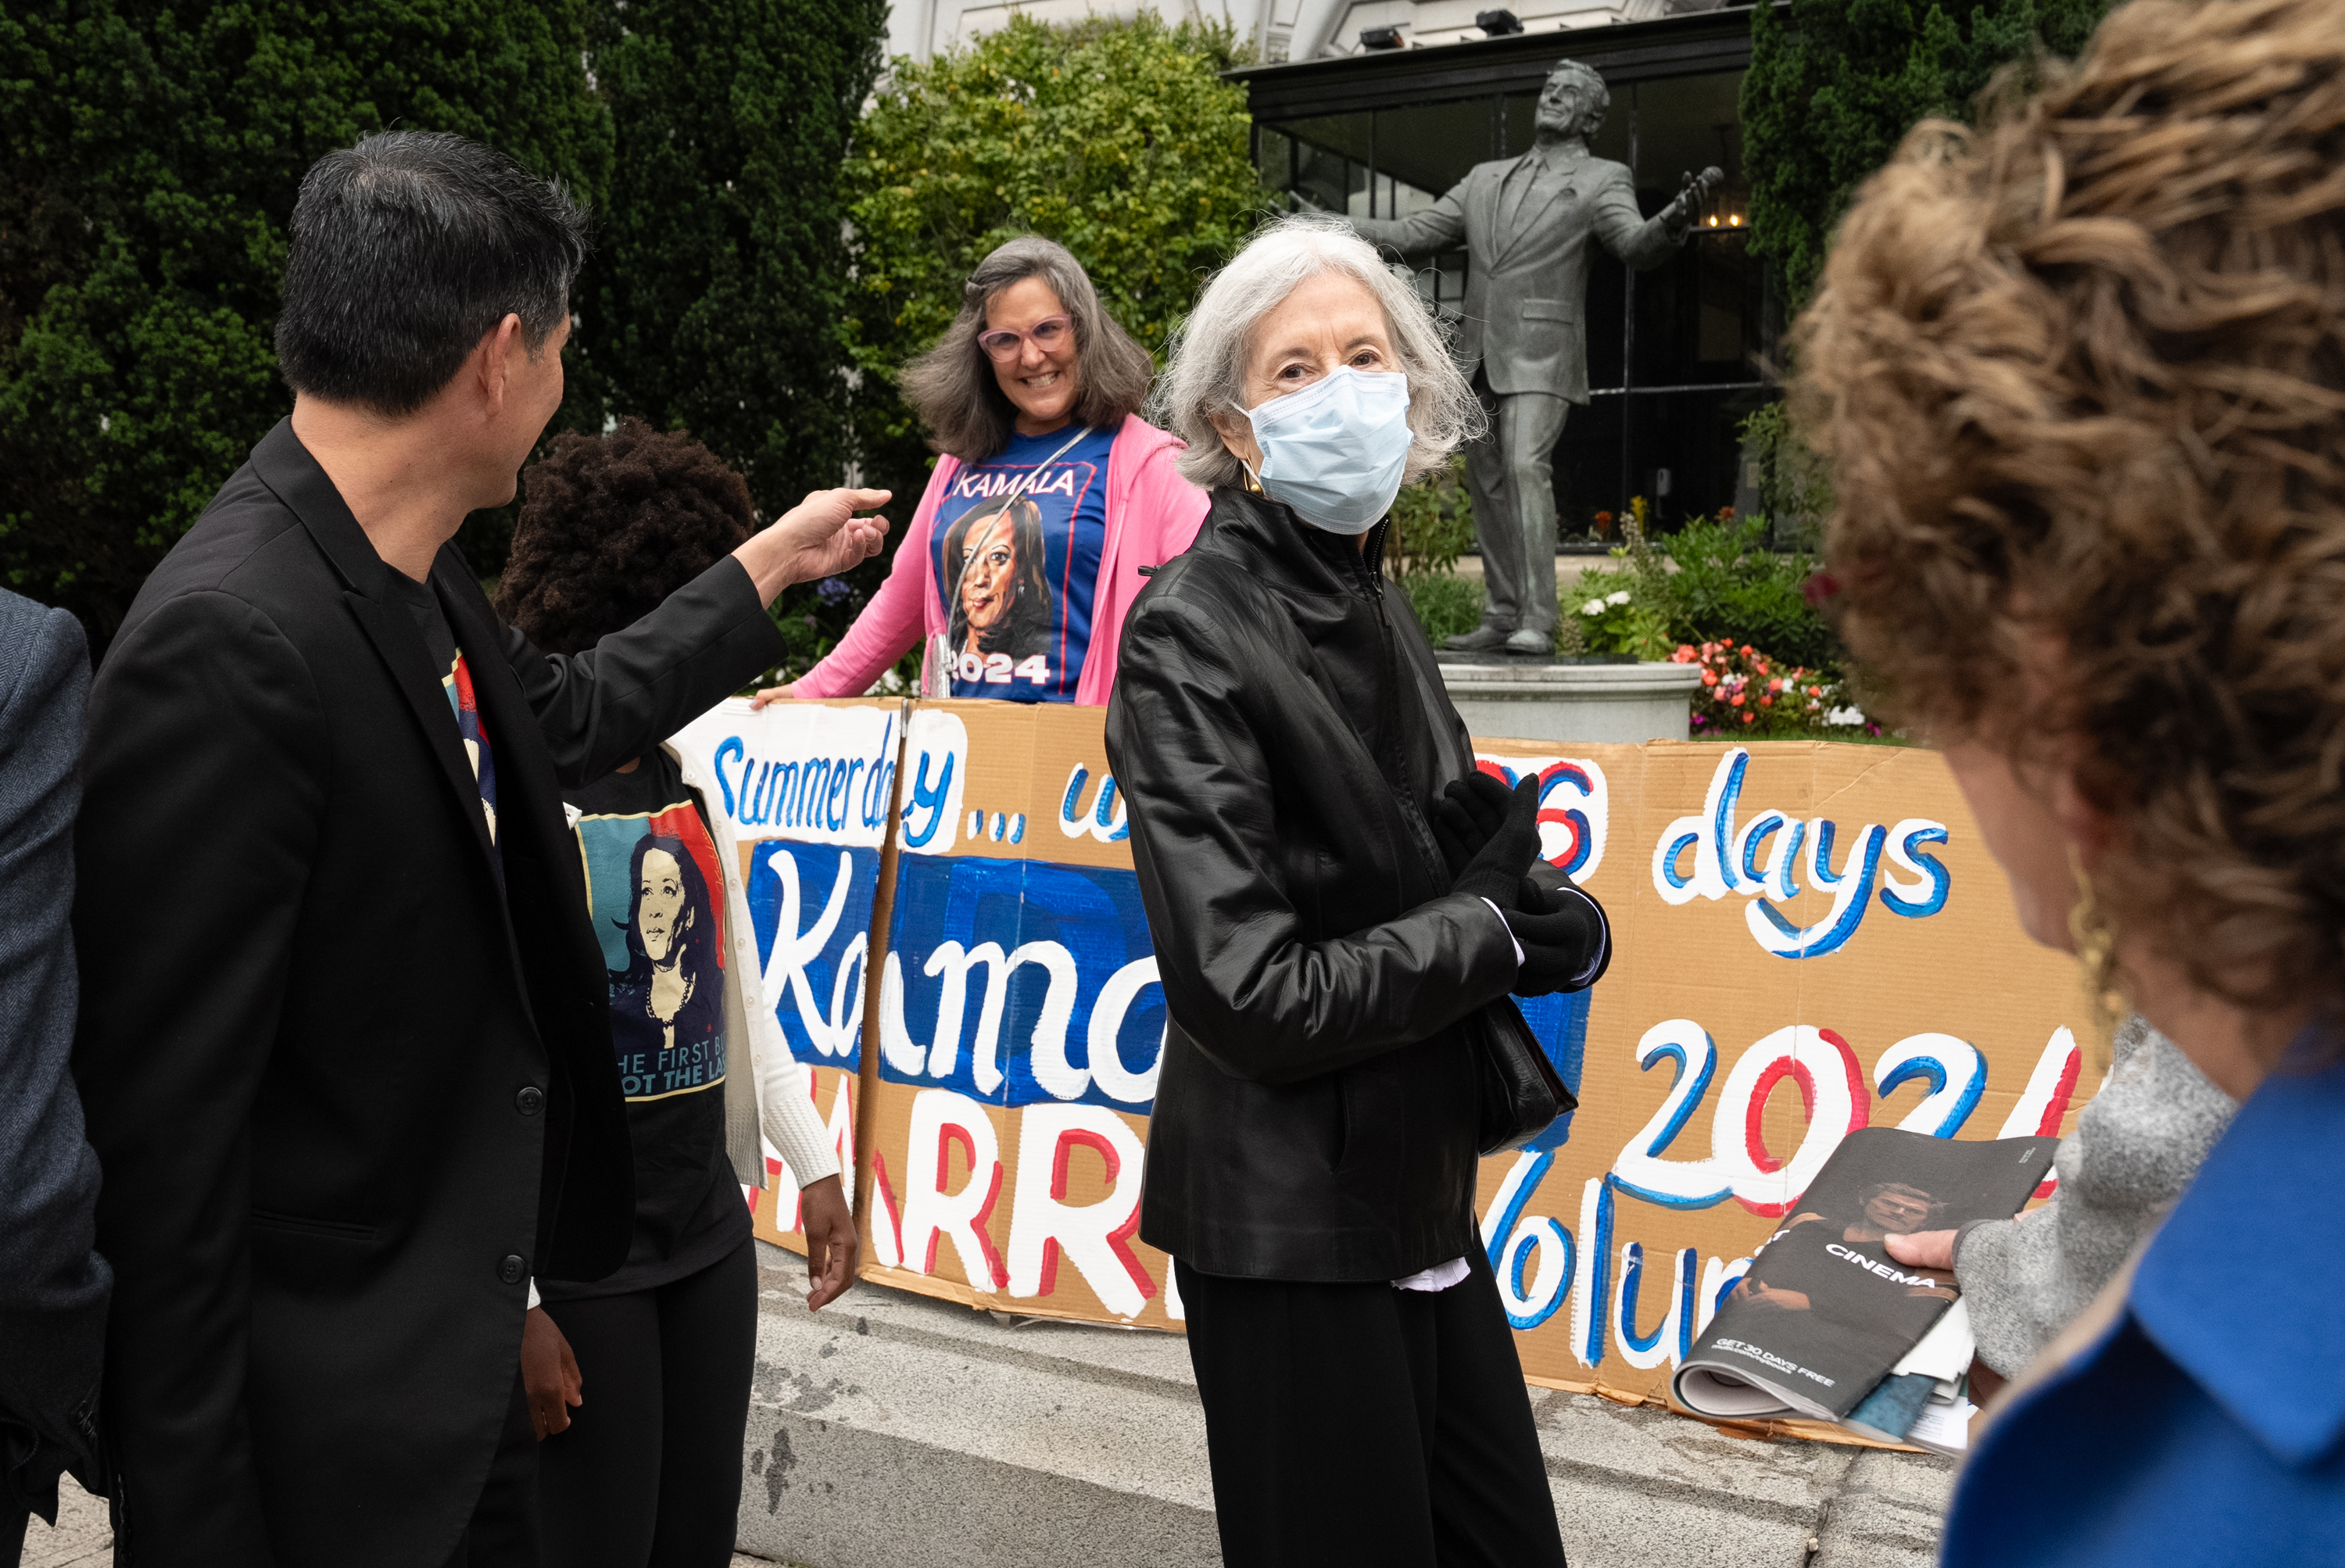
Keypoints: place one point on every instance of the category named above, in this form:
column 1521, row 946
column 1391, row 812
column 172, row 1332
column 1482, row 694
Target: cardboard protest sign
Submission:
column 801, row 800
column 1019, row 1024
column 1810, row 938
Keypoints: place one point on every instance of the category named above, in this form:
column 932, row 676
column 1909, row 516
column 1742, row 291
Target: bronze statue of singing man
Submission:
column 1527, row 223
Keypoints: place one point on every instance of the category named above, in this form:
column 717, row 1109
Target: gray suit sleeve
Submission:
column 637, row 687
column 1639, row 241
column 1438, row 228
column 53, row 1284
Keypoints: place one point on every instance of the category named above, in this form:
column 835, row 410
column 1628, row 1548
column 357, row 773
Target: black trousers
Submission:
column 1363, row 1426
column 649, row 1471
column 503, row 1533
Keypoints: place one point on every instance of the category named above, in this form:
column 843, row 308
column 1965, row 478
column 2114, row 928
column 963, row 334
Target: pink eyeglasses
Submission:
column 1050, row 335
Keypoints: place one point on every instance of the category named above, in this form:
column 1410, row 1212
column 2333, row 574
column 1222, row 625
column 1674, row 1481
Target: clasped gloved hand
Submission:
column 1565, row 940
column 1489, row 835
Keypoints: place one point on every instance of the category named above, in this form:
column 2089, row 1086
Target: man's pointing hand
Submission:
column 819, row 537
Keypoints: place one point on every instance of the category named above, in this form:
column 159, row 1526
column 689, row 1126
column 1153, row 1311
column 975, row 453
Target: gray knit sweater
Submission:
column 2135, row 1148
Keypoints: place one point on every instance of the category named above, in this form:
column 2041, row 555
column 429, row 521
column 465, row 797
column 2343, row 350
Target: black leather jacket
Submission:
column 1277, row 729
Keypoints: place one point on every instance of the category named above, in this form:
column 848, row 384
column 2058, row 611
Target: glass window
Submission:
column 1683, row 123
column 1422, row 150
column 1429, row 148
column 1698, row 316
column 1273, row 154
column 1682, row 451
column 1588, row 476
column 1331, row 161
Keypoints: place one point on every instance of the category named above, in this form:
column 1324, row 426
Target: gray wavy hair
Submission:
column 1206, row 374
column 954, row 390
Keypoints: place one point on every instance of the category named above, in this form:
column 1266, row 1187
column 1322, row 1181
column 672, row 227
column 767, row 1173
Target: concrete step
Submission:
column 896, row 1431
column 892, row 1430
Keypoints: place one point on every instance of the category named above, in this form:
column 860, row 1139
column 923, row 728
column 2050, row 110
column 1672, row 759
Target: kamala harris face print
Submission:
column 672, row 993
column 1001, row 603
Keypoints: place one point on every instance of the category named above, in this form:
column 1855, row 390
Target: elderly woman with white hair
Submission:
column 1341, row 904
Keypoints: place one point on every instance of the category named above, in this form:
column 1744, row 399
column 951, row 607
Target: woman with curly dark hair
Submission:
column 2081, row 376
column 650, row 1470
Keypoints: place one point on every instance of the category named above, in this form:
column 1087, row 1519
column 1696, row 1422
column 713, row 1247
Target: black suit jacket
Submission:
column 348, row 1085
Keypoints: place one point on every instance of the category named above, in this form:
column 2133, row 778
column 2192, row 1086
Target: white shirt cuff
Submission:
column 1603, row 941
column 1510, row 939
column 1440, row 1276
column 532, row 1290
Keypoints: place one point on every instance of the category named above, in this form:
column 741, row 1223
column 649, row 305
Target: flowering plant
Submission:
column 1604, row 619
column 1744, row 692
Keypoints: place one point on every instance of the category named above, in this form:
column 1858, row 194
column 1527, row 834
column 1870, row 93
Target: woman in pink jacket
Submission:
column 1051, row 501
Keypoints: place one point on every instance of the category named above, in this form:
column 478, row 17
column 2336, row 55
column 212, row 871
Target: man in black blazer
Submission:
column 343, row 1042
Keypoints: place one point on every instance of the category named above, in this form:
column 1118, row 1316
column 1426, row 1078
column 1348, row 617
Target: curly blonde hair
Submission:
column 2081, row 377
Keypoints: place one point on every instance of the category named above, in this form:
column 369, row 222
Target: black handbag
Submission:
column 1521, row 1095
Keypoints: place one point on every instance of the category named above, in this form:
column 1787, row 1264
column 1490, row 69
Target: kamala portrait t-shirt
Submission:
column 656, row 897
column 1015, row 555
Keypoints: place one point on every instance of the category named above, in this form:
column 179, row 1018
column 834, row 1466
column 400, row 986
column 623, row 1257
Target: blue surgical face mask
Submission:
column 1334, row 451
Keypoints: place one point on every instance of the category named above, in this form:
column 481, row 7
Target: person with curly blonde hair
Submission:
column 2081, row 377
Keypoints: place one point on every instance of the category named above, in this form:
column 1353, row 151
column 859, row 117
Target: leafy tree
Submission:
column 1834, row 85
column 1118, row 139
column 152, row 152
column 714, row 299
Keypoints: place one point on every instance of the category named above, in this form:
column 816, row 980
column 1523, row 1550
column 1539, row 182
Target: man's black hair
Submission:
column 407, row 247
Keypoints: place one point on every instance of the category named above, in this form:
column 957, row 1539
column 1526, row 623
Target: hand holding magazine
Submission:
column 1827, row 1325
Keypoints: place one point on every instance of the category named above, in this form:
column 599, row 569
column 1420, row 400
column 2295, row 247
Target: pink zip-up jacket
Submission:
column 1153, row 514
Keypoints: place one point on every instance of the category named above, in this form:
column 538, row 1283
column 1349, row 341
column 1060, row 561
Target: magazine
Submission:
column 1828, row 1326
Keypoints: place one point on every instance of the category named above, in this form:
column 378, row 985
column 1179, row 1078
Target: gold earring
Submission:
column 2097, row 954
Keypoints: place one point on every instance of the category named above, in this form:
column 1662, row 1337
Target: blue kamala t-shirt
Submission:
column 1015, row 553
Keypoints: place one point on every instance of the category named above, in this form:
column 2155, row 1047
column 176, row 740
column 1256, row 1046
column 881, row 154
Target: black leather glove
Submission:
column 1465, row 815
column 1567, row 943
column 1497, row 870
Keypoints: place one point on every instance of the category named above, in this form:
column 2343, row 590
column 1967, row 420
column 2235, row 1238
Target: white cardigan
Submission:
column 774, row 1095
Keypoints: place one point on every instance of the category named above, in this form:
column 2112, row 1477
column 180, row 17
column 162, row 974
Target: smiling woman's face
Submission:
column 988, row 572
column 1040, row 383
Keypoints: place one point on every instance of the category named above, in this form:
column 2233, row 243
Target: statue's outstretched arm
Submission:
column 1440, row 226
column 1646, row 242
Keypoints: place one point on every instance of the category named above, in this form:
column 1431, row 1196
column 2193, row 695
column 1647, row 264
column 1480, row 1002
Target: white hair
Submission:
column 1205, row 373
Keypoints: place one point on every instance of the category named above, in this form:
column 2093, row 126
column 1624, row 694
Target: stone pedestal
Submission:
column 1573, row 702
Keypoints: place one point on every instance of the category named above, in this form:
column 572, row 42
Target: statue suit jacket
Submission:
column 1526, row 310
column 349, row 1082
